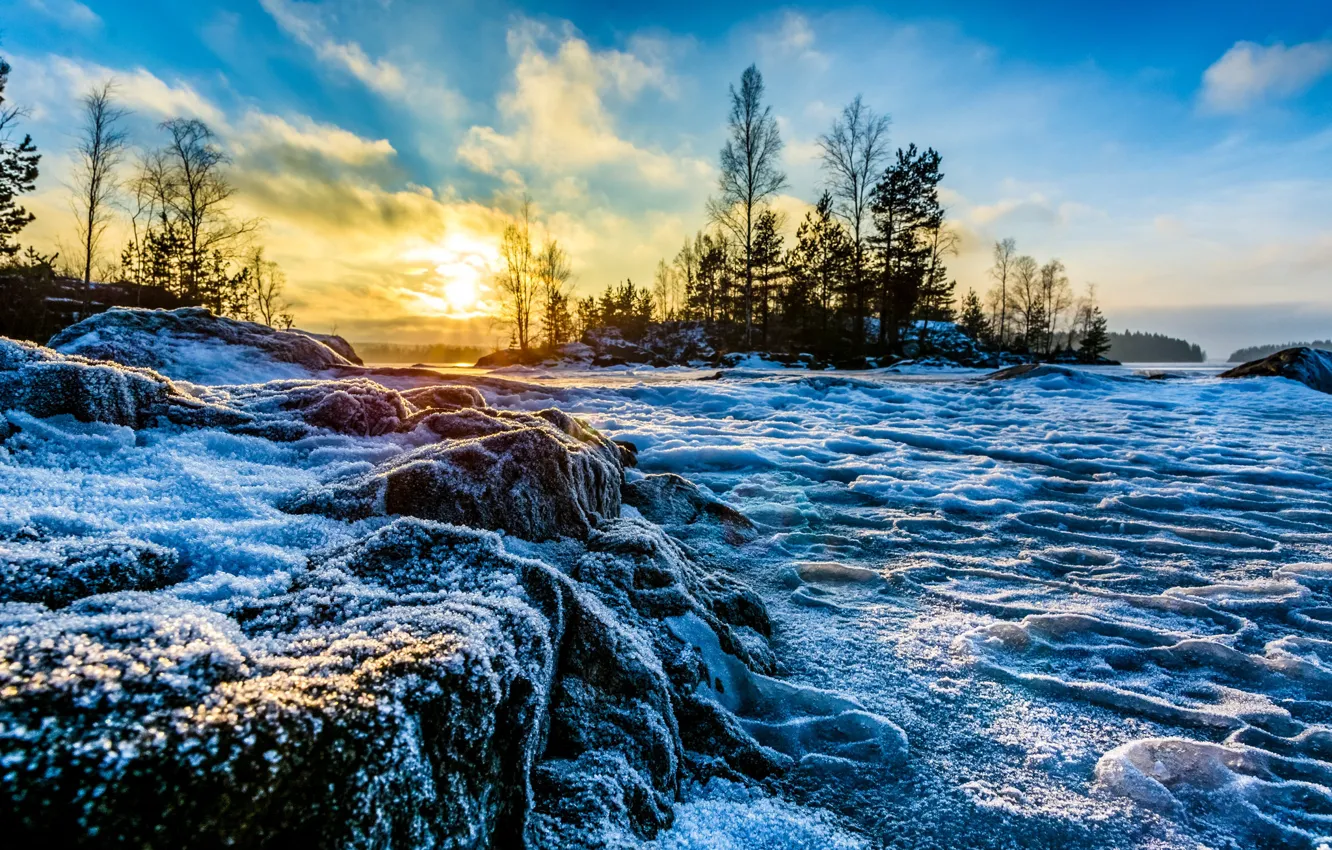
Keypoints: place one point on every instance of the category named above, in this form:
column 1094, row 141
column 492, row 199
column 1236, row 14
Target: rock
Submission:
column 537, row 476
column 57, row 573
column 192, row 344
column 419, row 687
column 673, row 501
column 511, row 357
column 1310, row 366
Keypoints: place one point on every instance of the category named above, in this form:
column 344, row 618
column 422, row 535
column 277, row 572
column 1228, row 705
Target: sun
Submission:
column 462, row 285
column 455, row 276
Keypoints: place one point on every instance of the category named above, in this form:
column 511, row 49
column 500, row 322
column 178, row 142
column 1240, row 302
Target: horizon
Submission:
column 1181, row 167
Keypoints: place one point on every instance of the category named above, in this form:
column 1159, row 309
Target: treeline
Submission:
column 1256, row 352
column 172, row 194
column 1141, row 347
column 866, row 273
column 384, row 352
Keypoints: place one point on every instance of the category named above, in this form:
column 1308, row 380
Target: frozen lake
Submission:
column 1097, row 604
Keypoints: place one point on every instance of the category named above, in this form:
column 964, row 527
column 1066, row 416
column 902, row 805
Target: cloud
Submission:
column 793, row 38
column 1249, row 73
column 305, row 135
column 302, row 22
column 69, row 14
column 56, row 82
column 556, row 119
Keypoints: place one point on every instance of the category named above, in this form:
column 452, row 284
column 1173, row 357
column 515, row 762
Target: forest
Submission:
column 867, row 272
column 1141, row 347
column 1255, row 352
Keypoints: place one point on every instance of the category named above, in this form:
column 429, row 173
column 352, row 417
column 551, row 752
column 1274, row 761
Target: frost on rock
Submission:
column 536, row 475
column 1310, row 366
column 192, row 344
column 673, row 501
column 419, row 687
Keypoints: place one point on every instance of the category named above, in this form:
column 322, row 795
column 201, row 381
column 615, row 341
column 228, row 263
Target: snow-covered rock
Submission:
column 408, row 677
column 537, row 475
column 192, row 344
column 1310, row 366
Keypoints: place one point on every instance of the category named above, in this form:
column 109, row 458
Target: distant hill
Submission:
column 1254, row 352
column 1139, row 347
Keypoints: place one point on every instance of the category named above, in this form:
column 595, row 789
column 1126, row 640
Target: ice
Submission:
column 1054, row 568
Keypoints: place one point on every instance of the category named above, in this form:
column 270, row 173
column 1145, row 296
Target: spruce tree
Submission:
column 18, row 172
column 1095, row 341
column 972, row 319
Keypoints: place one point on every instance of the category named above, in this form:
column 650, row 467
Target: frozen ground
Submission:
column 1098, row 605
column 1095, row 602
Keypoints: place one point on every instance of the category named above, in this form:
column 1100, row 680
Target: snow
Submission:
column 1080, row 607
column 1045, row 574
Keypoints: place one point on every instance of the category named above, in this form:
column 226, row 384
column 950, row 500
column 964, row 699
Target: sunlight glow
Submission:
column 463, row 264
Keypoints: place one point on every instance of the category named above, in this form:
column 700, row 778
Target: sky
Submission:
column 1178, row 156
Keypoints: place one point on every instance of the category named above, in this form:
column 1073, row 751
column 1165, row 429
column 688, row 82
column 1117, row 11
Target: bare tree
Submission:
column 750, row 174
column 1025, row 292
column 266, row 285
column 553, row 273
column 1056, row 298
column 855, row 150
column 1005, row 252
column 518, row 283
column 99, row 152
column 194, row 191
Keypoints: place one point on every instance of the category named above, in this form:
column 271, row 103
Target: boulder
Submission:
column 1310, row 366
column 538, row 476
column 670, row 500
column 418, row 687
column 192, row 344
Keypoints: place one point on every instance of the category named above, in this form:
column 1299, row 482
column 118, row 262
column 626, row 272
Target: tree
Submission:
column 854, row 152
column 266, row 282
column 1005, row 251
column 1095, row 339
column 750, row 175
column 188, row 241
column 518, row 283
column 1026, row 302
column 18, row 171
column 935, row 300
column 768, row 266
column 553, row 273
column 906, row 204
column 196, row 193
column 819, row 268
column 972, row 318
column 98, row 152
column 1056, row 297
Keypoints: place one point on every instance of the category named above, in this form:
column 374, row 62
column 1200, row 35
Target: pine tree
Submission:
column 18, row 172
column 1096, row 340
column 972, row 319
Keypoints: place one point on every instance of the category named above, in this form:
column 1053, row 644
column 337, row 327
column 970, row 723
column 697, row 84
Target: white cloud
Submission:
column 793, row 38
column 262, row 129
column 55, row 81
column 1250, row 72
column 301, row 21
column 556, row 117
column 70, row 14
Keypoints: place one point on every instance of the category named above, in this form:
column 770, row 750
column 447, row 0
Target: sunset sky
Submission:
column 1179, row 159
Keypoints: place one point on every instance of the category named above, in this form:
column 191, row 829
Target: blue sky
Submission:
column 1175, row 155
